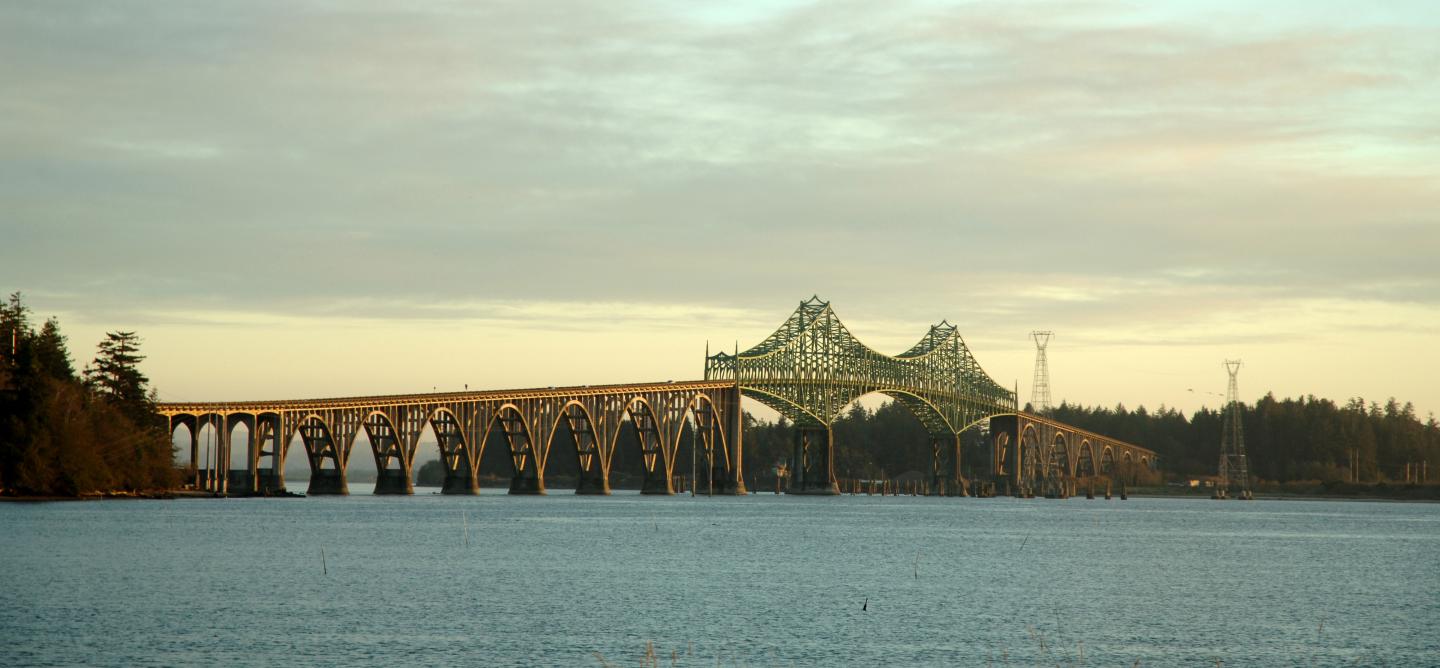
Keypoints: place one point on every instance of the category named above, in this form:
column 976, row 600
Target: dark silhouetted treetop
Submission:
column 116, row 374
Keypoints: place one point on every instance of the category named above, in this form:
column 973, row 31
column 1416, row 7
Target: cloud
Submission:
column 1090, row 166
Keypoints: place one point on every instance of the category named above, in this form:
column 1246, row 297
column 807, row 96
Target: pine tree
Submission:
column 51, row 355
column 116, row 374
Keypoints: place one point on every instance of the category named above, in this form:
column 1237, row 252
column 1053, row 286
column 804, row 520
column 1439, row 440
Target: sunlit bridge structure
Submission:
column 532, row 426
column 809, row 370
column 812, row 367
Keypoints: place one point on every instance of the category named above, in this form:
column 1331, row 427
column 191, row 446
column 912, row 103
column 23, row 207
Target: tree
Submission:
column 431, row 474
column 116, row 375
column 52, row 357
column 59, row 436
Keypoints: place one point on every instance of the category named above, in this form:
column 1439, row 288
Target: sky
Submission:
column 304, row 198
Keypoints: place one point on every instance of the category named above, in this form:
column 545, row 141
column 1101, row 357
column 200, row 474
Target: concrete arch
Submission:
column 241, row 449
column 376, row 423
column 267, row 438
column 1085, row 459
column 1031, row 452
column 654, row 455
column 634, row 407
column 509, row 414
column 191, row 430
column 719, row 462
column 1107, row 460
column 1059, row 459
column 430, row 420
column 457, row 456
column 691, row 409
column 591, row 459
column 320, row 446
column 562, row 415
column 1004, row 453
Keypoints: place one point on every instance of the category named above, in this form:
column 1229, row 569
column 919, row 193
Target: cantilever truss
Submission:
column 811, row 368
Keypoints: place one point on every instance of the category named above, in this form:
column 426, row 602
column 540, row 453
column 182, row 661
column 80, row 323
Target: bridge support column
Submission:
column 521, row 484
column 656, row 481
column 812, row 467
column 222, row 457
column 394, row 481
column 328, row 482
column 946, row 480
column 461, row 479
column 193, row 426
column 592, row 483
column 734, row 481
column 271, row 479
column 242, row 481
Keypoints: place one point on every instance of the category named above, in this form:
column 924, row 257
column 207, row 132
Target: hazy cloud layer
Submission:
column 1130, row 175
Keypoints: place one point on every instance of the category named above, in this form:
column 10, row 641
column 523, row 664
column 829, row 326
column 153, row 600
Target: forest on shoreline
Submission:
column 1287, row 440
column 64, row 433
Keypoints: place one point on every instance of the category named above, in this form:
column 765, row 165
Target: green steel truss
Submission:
column 811, row 368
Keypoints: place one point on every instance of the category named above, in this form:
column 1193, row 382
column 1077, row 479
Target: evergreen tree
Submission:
column 59, row 436
column 116, row 374
column 51, row 354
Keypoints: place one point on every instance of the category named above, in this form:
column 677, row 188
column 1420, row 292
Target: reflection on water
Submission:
column 759, row 580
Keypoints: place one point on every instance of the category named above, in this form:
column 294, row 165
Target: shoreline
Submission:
column 180, row 494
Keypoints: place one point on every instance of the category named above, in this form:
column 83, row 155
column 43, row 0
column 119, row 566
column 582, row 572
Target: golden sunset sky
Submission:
column 299, row 199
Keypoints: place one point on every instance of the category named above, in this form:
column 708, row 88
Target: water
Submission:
column 753, row 581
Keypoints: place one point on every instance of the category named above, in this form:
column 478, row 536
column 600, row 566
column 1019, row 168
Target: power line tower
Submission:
column 1234, row 469
column 1040, row 387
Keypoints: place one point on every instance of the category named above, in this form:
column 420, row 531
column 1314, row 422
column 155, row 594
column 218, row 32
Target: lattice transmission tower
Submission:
column 1040, row 387
column 1234, row 468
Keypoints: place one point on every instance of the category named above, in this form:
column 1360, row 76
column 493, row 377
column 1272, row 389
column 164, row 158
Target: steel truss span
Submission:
column 812, row 367
column 524, row 422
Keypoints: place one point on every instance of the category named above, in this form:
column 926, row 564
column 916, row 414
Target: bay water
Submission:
column 761, row 580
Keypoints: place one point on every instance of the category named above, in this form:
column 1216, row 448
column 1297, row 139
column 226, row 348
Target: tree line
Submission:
column 1290, row 439
column 64, row 433
column 1286, row 440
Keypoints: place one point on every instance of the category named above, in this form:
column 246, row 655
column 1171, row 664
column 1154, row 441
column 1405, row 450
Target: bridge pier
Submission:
column 722, row 483
column 324, row 482
column 393, row 481
column 657, row 482
column 594, row 469
column 269, row 482
column 460, row 485
column 527, row 485
column 592, row 485
column 812, row 467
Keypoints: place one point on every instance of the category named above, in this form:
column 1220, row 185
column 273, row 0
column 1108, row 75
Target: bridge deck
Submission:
column 1082, row 432
column 382, row 401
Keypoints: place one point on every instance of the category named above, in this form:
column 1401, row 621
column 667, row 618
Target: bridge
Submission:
column 811, row 368
column 589, row 420
column 808, row 370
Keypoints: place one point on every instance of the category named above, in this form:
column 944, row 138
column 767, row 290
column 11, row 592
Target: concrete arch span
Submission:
column 591, row 457
column 648, row 438
column 323, row 451
column 709, row 444
column 1058, row 462
column 1085, row 460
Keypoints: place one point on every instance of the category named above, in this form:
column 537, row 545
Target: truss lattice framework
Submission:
column 811, row 368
